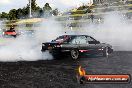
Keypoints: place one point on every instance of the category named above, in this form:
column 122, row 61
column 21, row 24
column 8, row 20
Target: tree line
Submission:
column 23, row 13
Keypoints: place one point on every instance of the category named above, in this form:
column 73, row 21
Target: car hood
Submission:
column 105, row 45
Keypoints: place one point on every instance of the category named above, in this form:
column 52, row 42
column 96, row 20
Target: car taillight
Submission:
column 57, row 46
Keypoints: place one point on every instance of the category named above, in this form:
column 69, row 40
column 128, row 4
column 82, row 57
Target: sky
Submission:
column 6, row 5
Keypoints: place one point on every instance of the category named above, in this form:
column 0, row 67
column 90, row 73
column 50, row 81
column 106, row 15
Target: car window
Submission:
column 79, row 40
column 61, row 39
column 90, row 39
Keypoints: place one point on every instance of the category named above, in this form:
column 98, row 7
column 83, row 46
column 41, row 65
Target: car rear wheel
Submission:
column 106, row 52
column 74, row 54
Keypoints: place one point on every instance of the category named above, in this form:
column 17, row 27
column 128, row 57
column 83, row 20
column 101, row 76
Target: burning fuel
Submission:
column 81, row 71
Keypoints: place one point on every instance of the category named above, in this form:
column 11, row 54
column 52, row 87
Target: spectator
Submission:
column 92, row 17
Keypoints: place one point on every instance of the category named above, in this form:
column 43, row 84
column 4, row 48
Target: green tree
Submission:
column 19, row 13
column 47, row 10
column 25, row 12
column 13, row 14
column 4, row 15
column 55, row 12
column 85, row 9
column 41, row 13
column 35, row 9
column 34, row 6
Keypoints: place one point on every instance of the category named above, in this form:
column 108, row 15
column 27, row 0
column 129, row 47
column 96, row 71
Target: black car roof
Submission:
column 76, row 35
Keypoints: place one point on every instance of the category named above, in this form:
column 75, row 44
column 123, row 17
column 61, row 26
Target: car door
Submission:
column 79, row 42
column 82, row 42
column 71, row 43
column 74, row 43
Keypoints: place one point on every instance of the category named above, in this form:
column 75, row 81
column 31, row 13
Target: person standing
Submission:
column 92, row 17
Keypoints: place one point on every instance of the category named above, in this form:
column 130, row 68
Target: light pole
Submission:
column 30, row 9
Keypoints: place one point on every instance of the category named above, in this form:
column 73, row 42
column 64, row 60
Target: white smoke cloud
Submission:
column 49, row 30
column 27, row 47
column 116, row 30
column 23, row 48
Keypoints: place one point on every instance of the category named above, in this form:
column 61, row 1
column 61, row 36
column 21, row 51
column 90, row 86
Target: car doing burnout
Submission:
column 76, row 45
column 10, row 33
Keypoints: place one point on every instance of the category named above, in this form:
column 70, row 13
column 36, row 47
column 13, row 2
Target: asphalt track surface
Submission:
column 62, row 73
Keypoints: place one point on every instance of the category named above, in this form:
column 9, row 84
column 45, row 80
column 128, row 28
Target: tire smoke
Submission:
column 28, row 48
column 115, row 30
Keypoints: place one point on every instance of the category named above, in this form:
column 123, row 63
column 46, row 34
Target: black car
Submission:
column 76, row 45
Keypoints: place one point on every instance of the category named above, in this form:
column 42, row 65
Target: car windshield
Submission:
column 10, row 31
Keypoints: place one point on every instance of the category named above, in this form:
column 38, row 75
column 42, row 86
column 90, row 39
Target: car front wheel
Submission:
column 106, row 52
column 74, row 54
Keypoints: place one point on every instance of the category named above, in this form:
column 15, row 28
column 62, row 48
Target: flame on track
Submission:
column 81, row 71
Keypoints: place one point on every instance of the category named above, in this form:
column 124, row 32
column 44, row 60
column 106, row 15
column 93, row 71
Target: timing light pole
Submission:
column 30, row 9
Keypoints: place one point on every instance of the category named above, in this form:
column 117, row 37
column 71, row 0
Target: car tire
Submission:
column 14, row 36
column 106, row 52
column 74, row 54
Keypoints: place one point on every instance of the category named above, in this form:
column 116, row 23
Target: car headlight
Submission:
column 43, row 44
column 101, row 49
column 3, row 33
